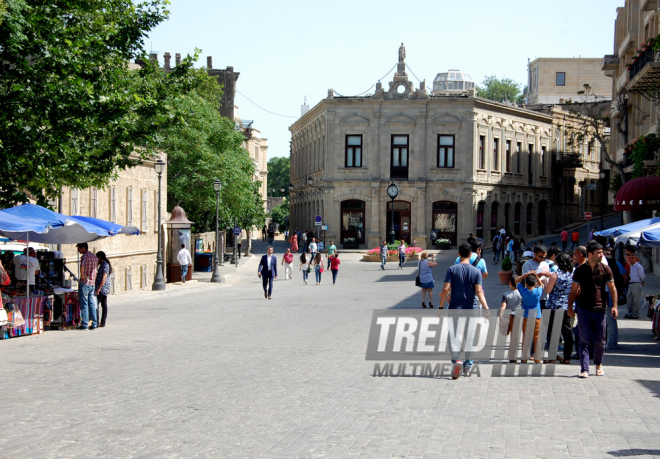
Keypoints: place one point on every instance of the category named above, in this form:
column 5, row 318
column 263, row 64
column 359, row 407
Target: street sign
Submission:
column 319, row 223
column 318, row 219
column 237, row 230
column 324, row 227
column 587, row 215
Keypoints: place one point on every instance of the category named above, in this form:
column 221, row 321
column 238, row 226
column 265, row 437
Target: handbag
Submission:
column 321, row 269
column 16, row 319
column 417, row 281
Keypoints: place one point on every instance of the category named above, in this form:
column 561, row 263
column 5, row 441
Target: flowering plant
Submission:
column 349, row 239
column 413, row 250
column 442, row 241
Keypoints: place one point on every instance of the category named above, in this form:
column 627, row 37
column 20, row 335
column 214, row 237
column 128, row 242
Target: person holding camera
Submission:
column 426, row 262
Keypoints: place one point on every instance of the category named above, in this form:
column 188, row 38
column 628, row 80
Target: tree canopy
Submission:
column 73, row 112
column 279, row 176
column 500, row 90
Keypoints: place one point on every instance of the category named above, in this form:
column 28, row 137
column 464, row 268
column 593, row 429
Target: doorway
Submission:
column 402, row 225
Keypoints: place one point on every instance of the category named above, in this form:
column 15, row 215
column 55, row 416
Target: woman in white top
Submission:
column 426, row 277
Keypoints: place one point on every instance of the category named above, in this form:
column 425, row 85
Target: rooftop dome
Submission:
column 453, row 80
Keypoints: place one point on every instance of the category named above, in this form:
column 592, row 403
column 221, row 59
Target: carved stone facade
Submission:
column 463, row 165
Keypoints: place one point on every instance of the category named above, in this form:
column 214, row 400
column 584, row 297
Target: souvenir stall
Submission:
column 50, row 301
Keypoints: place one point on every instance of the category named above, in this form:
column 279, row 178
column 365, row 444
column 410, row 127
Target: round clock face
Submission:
column 392, row 191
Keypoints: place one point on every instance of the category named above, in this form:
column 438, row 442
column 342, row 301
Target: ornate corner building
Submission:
column 463, row 164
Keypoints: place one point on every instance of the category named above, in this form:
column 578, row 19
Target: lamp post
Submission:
column 217, row 186
column 602, row 176
column 159, row 281
column 392, row 192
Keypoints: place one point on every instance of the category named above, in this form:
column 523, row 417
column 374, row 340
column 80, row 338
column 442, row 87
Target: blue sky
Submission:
column 288, row 50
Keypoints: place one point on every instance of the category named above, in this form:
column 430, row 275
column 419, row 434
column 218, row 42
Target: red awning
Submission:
column 642, row 193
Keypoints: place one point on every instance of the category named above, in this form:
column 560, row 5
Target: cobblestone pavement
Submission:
column 218, row 371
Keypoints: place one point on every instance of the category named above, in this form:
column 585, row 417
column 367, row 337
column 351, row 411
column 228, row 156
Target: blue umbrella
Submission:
column 634, row 226
column 9, row 222
column 112, row 228
column 650, row 238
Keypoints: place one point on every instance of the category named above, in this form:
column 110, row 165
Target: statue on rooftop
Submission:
column 402, row 54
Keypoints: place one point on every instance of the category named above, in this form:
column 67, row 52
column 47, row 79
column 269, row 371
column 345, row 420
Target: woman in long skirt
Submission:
column 294, row 243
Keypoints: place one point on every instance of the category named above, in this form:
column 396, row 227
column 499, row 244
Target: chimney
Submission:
column 168, row 56
column 331, row 93
column 209, row 62
column 304, row 108
column 379, row 86
column 177, row 58
column 153, row 57
column 422, row 86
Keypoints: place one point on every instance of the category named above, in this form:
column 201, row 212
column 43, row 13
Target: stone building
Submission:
column 463, row 165
column 131, row 199
column 554, row 80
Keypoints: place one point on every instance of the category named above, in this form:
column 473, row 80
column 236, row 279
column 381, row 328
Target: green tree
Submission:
column 73, row 112
column 279, row 213
column 204, row 148
column 3, row 10
column 499, row 90
column 279, row 176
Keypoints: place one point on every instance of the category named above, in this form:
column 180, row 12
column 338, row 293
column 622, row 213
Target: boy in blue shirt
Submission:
column 531, row 302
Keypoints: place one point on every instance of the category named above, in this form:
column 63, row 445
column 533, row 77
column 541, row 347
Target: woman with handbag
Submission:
column 102, row 287
column 4, row 280
column 558, row 287
column 318, row 268
column 424, row 266
column 304, row 267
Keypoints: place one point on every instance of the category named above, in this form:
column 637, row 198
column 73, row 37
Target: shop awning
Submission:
column 642, row 193
column 649, row 238
column 632, row 237
column 627, row 228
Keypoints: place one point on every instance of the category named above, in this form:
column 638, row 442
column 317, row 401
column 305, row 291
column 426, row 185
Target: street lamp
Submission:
column 602, row 175
column 159, row 281
column 217, row 186
column 392, row 192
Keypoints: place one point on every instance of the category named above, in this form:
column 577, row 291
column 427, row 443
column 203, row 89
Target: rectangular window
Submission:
column 561, row 79
column 145, row 206
column 445, row 150
column 74, row 201
column 518, row 153
column 93, row 202
column 482, row 154
column 507, row 158
column 129, row 206
column 543, row 154
column 399, row 164
column 530, row 175
column 353, row 151
column 113, row 204
column 496, row 154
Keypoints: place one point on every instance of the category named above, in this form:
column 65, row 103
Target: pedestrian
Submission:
column 304, row 267
column 497, row 241
column 511, row 302
column 502, row 232
column 478, row 262
column 103, row 284
column 538, row 265
column 551, row 258
column 184, row 259
column 26, row 267
column 86, row 297
column 313, row 248
column 511, row 253
column 383, row 255
column 531, row 293
column 267, row 271
column 402, row 253
column 637, row 278
column 287, row 261
column 426, row 262
column 263, row 233
column 575, row 239
column 471, row 238
column 334, row 266
column 612, row 341
column 564, row 239
column 294, row 243
column 304, row 241
column 332, row 249
column 464, row 282
column 318, row 268
column 589, row 281
column 271, row 234
column 558, row 288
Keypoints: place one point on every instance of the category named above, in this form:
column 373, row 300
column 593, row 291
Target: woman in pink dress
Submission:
column 294, row 243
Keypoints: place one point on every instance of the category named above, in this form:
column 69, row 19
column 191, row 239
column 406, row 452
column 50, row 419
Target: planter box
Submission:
column 443, row 246
column 504, row 276
column 376, row 258
column 350, row 245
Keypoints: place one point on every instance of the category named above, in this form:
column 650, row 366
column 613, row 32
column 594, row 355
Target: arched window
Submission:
column 493, row 219
column 530, row 208
column 445, row 214
column 516, row 219
column 542, row 217
column 352, row 221
column 480, row 218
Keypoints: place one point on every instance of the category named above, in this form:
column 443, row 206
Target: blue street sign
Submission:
column 237, row 230
column 318, row 219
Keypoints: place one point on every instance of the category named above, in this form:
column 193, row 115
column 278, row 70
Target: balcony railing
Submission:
column 646, row 57
column 567, row 160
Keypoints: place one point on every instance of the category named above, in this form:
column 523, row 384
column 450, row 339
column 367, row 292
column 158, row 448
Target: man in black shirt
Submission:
column 589, row 281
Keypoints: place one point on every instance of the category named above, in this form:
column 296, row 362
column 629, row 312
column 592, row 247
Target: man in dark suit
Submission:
column 268, row 271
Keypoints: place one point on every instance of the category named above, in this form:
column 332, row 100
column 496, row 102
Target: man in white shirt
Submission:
column 538, row 265
column 184, row 260
column 313, row 248
column 637, row 278
column 25, row 268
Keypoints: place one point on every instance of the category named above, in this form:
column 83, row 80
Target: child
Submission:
column 512, row 301
column 531, row 302
column 334, row 266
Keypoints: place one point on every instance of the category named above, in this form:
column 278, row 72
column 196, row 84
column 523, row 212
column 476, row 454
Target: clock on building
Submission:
column 392, row 191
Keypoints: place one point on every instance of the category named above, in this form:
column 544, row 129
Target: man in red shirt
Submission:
column 86, row 296
column 575, row 239
column 287, row 260
column 564, row 240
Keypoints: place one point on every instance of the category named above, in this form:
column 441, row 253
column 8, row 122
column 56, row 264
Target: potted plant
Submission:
column 350, row 243
column 505, row 273
column 443, row 244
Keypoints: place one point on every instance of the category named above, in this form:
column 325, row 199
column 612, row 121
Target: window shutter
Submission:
column 145, row 203
column 129, row 278
column 129, row 207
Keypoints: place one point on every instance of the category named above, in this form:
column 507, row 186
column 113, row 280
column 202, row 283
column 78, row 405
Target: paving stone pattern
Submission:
column 218, row 371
